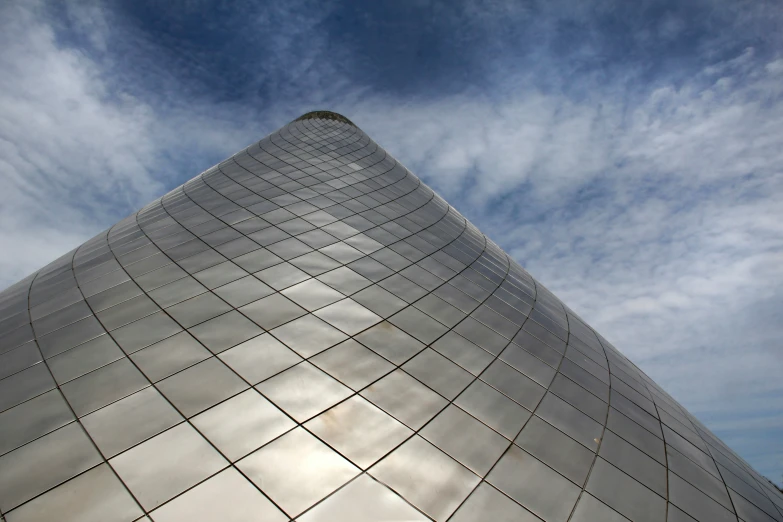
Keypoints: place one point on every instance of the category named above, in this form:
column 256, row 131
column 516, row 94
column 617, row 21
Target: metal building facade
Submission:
column 307, row 332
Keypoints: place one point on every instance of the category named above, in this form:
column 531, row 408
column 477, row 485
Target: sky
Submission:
column 628, row 154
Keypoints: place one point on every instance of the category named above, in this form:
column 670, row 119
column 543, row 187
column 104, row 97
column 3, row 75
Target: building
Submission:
column 306, row 331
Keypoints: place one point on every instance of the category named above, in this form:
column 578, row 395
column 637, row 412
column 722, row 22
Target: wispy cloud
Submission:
column 75, row 154
column 658, row 221
column 630, row 160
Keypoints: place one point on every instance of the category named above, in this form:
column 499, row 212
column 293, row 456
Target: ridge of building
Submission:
column 325, row 115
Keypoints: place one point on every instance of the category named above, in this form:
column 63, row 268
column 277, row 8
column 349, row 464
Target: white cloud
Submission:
column 74, row 155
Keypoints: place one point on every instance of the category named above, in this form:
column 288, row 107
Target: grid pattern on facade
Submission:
column 306, row 331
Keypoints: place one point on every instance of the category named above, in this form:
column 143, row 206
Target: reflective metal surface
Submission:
column 306, row 331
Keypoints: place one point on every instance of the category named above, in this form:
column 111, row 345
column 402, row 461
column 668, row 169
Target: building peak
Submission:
column 325, row 115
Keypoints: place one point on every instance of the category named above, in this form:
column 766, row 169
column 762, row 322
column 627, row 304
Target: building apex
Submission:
column 325, row 115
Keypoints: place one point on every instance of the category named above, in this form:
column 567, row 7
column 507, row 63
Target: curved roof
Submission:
column 324, row 115
column 307, row 331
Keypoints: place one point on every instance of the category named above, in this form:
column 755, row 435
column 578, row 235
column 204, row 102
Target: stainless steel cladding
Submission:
column 307, row 331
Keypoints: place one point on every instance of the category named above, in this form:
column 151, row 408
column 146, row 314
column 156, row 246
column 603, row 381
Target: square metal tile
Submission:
column 296, row 226
column 575, row 395
column 589, row 509
column 259, row 358
column 312, row 294
column 63, row 317
column 340, row 229
column 198, row 309
column 463, row 352
column 228, row 497
column 359, row 430
column 698, row 477
column 390, row 342
column 176, row 292
column 166, row 465
column 675, row 514
column 479, row 334
column 403, row 288
column 18, row 359
column 257, row 260
column 418, row 324
column 272, row 311
column 204, row 258
column 487, row 503
column 131, row 289
column 344, row 280
column 282, row 276
column 348, row 315
column 636, row 414
column 685, row 447
column 629, row 497
column 493, row 409
column 169, row 356
column 248, row 226
column 225, row 331
column 84, row 358
column 32, row 419
column 387, row 256
column 305, row 470
column 370, row 269
column 537, row 487
column 554, row 448
column 379, row 301
column 364, row 243
column 289, row 248
column 129, row 421
column 636, row 435
column 237, row 247
column 341, row 252
column 242, row 424
column 362, row 500
column 634, row 462
column 308, row 335
column 465, row 439
column 303, row 391
column 405, row 398
column 527, row 364
column 201, row 386
column 317, row 238
column 69, row 336
column 570, row 421
column 682, row 494
column 103, row 386
column 585, row 379
column 145, row 332
column 748, row 510
column 320, row 218
column 44, row 463
column 426, row 477
column 243, row 291
column 268, row 236
column 101, row 498
column 352, row 364
column 438, row 373
column 315, row 263
column 219, row 275
column 439, row 309
column 534, row 346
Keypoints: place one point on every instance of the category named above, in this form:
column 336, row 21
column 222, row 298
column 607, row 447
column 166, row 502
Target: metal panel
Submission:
column 243, row 347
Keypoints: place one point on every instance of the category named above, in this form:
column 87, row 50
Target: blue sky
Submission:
column 629, row 154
